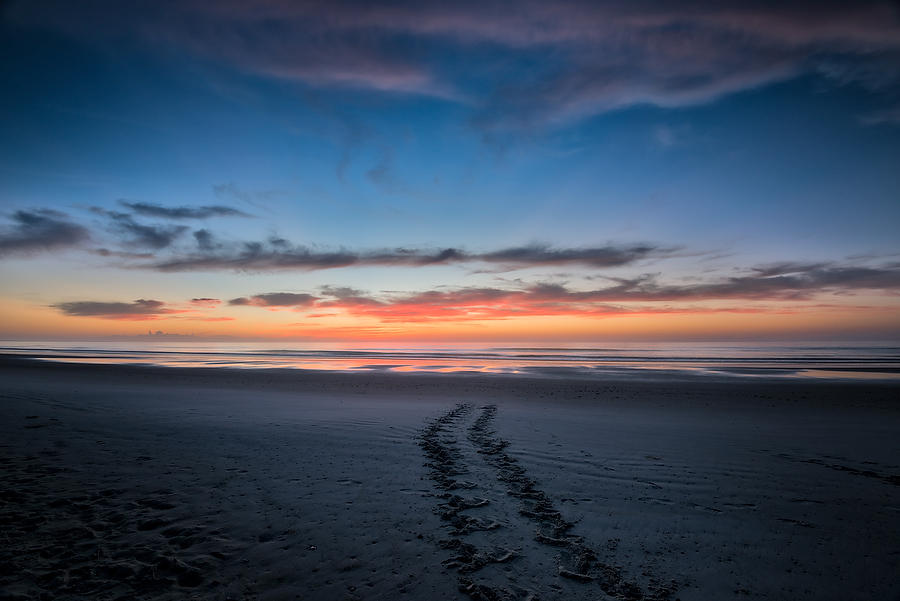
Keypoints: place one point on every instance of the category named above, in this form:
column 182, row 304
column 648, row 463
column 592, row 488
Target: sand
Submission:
column 126, row 482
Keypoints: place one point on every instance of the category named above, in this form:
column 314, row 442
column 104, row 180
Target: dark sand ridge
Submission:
column 153, row 483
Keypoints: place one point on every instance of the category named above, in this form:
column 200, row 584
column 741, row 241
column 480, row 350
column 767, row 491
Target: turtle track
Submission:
column 578, row 560
column 446, row 465
column 447, row 442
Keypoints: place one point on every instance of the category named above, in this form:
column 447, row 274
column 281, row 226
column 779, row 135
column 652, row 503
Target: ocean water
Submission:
column 838, row 361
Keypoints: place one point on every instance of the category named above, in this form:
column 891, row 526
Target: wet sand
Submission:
column 126, row 482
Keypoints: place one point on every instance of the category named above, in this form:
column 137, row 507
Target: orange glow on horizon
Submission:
column 701, row 321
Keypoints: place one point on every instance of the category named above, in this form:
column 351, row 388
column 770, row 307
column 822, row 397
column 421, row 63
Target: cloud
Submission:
column 206, row 303
column 140, row 309
column 139, row 234
column 643, row 295
column 40, row 230
column 785, row 281
column 205, row 240
column 278, row 254
column 341, row 292
column 380, row 174
column 889, row 116
column 259, row 256
column 798, row 283
column 787, row 268
column 479, row 304
column 278, row 40
column 143, row 309
column 669, row 136
column 344, row 297
column 383, row 175
column 203, row 212
column 542, row 63
column 275, row 299
column 121, row 254
column 610, row 55
column 257, row 198
column 604, row 256
column 352, row 134
column 664, row 136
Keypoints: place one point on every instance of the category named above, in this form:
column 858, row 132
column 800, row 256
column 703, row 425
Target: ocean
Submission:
column 813, row 360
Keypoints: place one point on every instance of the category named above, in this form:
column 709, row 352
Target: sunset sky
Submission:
column 450, row 171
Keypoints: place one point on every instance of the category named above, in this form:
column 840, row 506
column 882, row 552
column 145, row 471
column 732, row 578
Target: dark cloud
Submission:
column 40, row 230
column 206, row 302
column 205, row 240
column 345, row 296
column 279, row 254
column 140, row 234
column 154, row 210
column 580, row 57
column 341, row 291
column 255, row 197
column 787, row 268
column 121, row 254
column 275, row 299
column 139, row 309
column 606, row 256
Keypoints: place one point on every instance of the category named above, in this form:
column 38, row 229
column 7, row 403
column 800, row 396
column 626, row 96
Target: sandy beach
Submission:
column 129, row 482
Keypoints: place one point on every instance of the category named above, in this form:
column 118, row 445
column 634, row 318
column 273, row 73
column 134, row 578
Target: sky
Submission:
column 465, row 171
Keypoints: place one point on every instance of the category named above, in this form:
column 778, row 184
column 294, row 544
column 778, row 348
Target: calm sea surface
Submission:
column 575, row 360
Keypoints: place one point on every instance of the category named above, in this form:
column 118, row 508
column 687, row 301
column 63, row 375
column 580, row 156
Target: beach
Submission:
column 139, row 482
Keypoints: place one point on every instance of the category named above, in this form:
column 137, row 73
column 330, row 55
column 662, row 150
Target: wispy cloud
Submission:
column 202, row 212
column 583, row 57
column 258, row 198
column 120, row 254
column 890, row 116
column 278, row 40
column 786, row 281
column 141, row 234
column 45, row 230
column 278, row 254
column 275, row 299
column 40, row 230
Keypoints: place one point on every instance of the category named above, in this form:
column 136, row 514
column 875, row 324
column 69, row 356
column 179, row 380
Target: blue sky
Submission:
column 726, row 135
